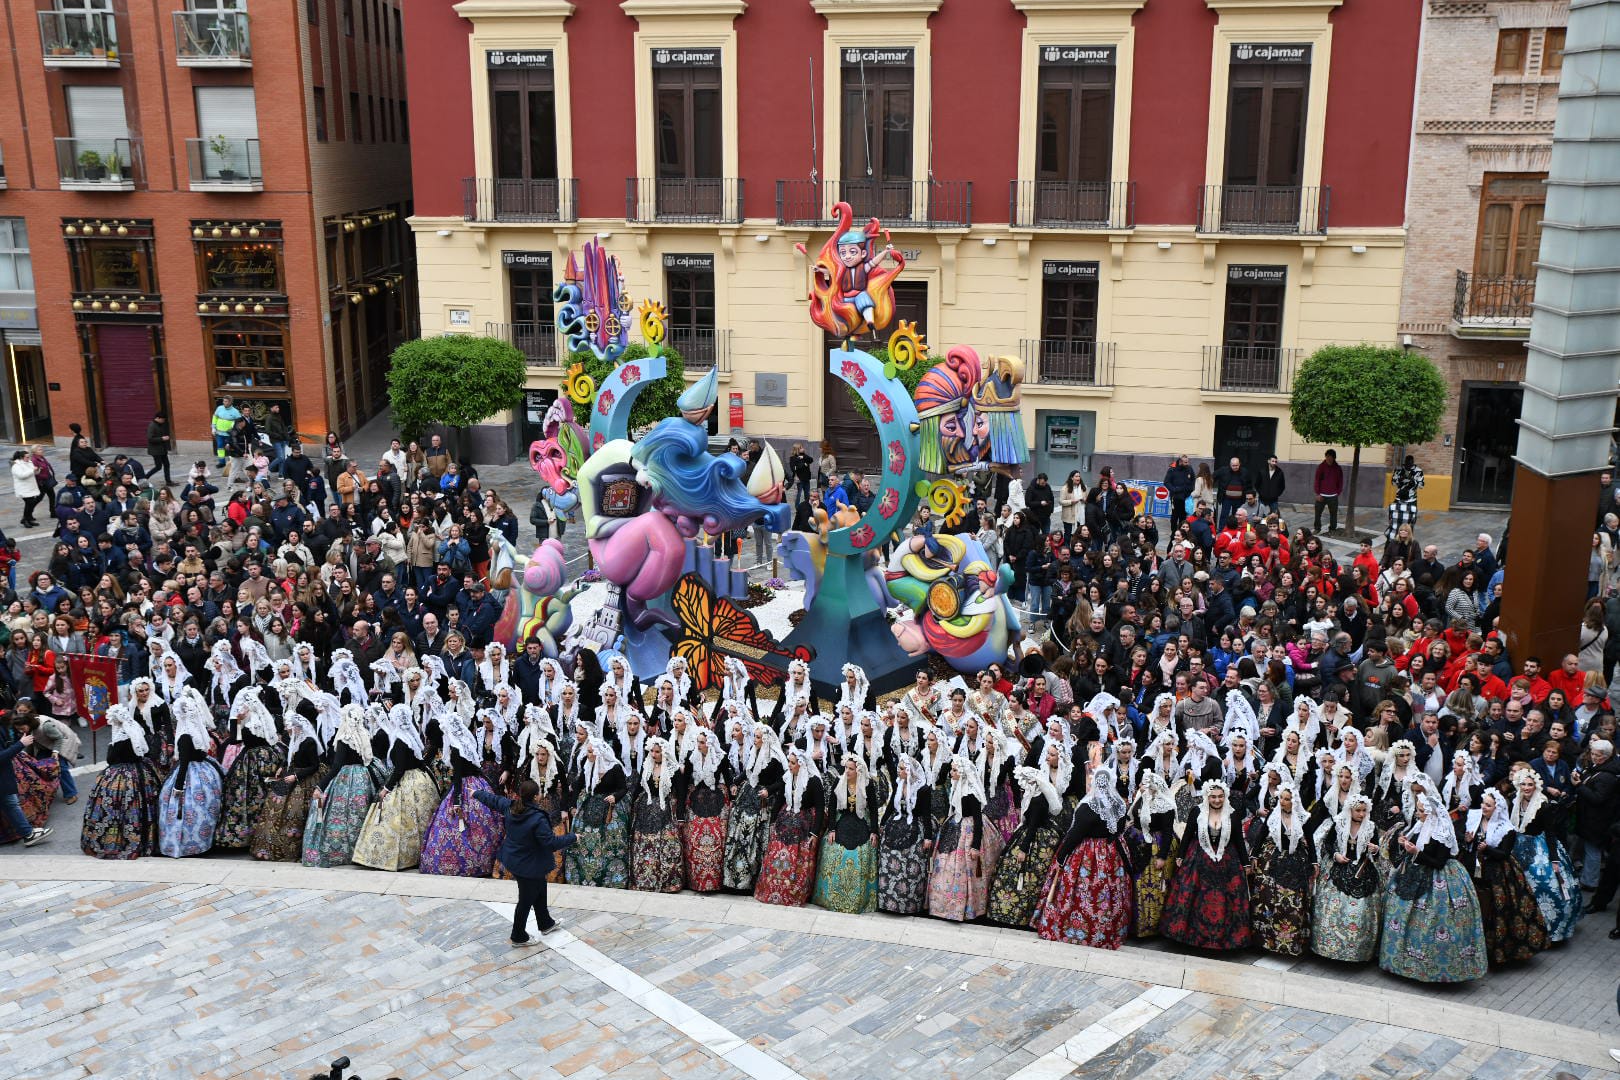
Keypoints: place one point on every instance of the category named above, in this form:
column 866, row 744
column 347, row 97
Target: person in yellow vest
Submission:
column 224, row 422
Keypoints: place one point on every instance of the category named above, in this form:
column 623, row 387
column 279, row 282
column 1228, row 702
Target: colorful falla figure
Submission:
column 851, row 289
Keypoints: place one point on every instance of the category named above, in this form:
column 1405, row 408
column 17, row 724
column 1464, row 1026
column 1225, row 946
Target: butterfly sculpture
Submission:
column 713, row 628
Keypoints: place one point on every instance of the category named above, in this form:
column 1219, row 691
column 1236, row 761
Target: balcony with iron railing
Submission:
column 1492, row 307
column 221, row 163
column 898, row 204
column 212, row 38
column 536, row 341
column 98, row 164
column 1065, row 362
column 1249, row 369
column 1071, row 204
column 79, row 39
column 486, row 198
column 683, row 200
column 702, row 348
column 1253, row 209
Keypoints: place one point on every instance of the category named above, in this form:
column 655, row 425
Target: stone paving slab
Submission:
column 131, row 979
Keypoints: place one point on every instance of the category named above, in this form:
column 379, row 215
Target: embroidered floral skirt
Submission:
column 391, row 838
column 1092, row 898
column 187, row 819
column 464, row 835
column 120, row 818
column 334, row 824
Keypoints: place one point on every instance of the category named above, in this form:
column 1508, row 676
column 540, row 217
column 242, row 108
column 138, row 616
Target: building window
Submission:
column 404, row 122
column 320, row 114
column 1265, row 127
column 1511, row 48
column 1069, row 310
column 1552, row 51
column 312, row 12
column 346, row 17
column 1254, row 309
column 399, row 32
column 691, row 310
column 114, row 265
column 876, row 137
column 689, row 123
column 239, row 267
column 1511, row 209
column 371, row 120
column 356, row 134
column 524, row 106
column 247, row 353
column 16, row 266
column 1076, row 137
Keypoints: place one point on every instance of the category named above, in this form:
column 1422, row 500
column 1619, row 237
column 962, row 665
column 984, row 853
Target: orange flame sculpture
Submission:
column 851, row 287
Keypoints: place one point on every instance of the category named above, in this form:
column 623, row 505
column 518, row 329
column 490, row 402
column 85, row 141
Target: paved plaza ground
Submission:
column 226, row 967
column 223, row 967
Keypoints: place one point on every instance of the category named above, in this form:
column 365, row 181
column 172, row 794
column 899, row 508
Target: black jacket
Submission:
column 1269, row 488
column 528, row 850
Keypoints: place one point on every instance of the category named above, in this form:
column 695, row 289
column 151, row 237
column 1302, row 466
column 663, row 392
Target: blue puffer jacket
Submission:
column 528, row 850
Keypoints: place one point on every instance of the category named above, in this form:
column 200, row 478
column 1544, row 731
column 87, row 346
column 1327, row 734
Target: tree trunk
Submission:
column 1350, row 505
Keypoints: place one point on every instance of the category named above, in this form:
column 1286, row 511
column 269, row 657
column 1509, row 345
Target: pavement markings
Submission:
column 718, row 1040
column 1093, row 1040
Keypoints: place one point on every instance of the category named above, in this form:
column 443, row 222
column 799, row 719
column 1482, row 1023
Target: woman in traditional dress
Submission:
column 1348, row 901
column 656, row 863
column 846, row 880
column 756, row 783
column 1392, row 794
column 278, row 832
column 189, row 804
column 996, row 763
column 703, row 834
column 1461, row 789
column 254, row 768
column 1088, row 895
column 151, row 712
column 339, row 810
column 1545, row 862
column 1150, row 839
column 38, row 772
column 1207, row 906
column 736, row 688
column 120, row 819
column 957, row 886
column 1020, row 874
column 391, row 838
column 1432, row 926
column 225, row 678
column 935, row 761
column 601, row 852
column 1280, row 878
column 788, row 870
column 465, row 834
column 905, row 843
column 1341, row 790
column 1515, row 929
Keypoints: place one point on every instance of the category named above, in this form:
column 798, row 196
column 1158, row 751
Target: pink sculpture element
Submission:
column 604, row 402
column 861, row 536
column 597, row 440
column 644, row 554
column 629, row 373
column 897, row 457
column 890, row 503
column 884, row 407
column 853, row 373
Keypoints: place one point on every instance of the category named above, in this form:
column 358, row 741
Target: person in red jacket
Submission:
column 1328, row 485
column 1539, row 687
column 41, row 665
column 1569, row 678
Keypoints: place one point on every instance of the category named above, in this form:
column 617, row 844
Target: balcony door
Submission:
column 1265, row 141
column 854, row 437
column 1068, row 350
column 689, row 141
column 1487, row 435
column 1510, row 213
column 878, row 104
column 523, row 108
column 228, row 127
column 534, row 329
column 1251, row 343
column 1074, row 144
column 690, row 288
column 100, row 127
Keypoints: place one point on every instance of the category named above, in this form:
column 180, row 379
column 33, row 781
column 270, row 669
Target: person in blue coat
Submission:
column 529, row 853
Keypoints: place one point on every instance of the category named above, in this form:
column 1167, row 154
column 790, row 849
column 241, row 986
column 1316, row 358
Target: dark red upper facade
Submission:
column 975, row 53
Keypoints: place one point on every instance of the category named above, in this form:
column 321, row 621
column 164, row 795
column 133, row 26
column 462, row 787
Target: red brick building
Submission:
column 201, row 202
